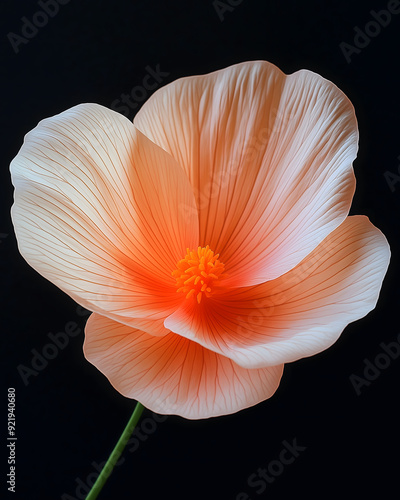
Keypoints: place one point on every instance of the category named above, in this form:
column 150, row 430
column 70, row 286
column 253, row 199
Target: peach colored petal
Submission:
column 300, row 313
column 153, row 326
column 98, row 212
column 269, row 157
column 172, row 375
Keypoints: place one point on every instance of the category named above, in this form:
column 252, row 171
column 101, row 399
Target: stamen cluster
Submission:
column 196, row 273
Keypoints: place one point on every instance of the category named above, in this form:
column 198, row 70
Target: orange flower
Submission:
column 211, row 237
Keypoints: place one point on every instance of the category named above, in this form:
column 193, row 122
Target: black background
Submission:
column 68, row 416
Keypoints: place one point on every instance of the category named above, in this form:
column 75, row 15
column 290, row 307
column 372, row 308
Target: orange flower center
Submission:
column 197, row 272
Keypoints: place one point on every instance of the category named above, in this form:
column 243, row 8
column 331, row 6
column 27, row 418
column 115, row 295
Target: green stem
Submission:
column 116, row 453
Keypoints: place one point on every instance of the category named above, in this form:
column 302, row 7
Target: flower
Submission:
column 211, row 237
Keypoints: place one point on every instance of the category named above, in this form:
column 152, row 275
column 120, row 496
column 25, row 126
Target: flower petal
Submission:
column 98, row 211
column 300, row 313
column 172, row 375
column 269, row 157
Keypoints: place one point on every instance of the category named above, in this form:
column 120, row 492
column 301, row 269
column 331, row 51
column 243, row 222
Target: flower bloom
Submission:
column 210, row 237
